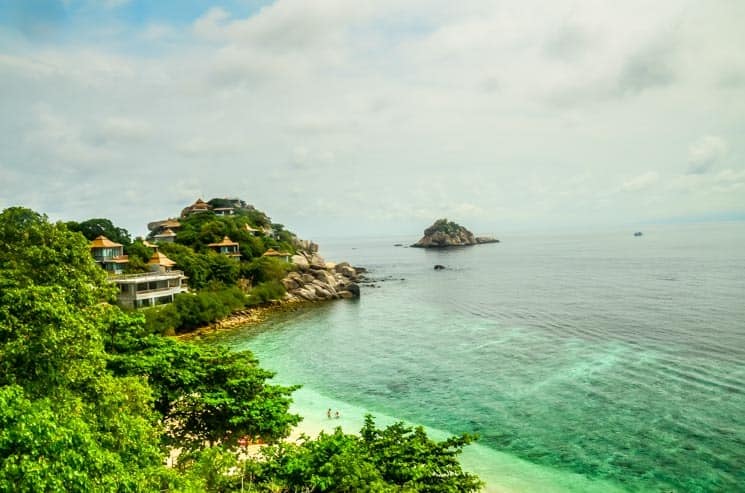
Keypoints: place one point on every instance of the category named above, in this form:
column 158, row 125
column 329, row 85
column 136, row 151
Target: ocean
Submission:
column 585, row 362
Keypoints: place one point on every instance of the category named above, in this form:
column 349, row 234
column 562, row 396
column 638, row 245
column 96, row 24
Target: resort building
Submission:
column 165, row 236
column 197, row 207
column 280, row 255
column 109, row 255
column 156, row 287
column 227, row 247
column 157, row 227
column 153, row 288
column 224, row 211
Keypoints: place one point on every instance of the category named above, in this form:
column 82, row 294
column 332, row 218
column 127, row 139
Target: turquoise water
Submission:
column 584, row 362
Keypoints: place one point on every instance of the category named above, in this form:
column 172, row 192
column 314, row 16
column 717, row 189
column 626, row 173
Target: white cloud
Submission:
column 705, row 153
column 391, row 111
column 641, row 182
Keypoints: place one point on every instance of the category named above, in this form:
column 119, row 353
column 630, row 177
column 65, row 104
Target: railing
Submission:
column 145, row 275
column 174, row 289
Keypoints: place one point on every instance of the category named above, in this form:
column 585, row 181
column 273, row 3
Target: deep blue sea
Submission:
column 585, row 362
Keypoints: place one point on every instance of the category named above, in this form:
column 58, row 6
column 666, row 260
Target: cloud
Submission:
column 705, row 153
column 641, row 182
column 121, row 129
column 384, row 113
column 568, row 43
column 56, row 139
column 650, row 67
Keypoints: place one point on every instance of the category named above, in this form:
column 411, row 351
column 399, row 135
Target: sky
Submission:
column 344, row 118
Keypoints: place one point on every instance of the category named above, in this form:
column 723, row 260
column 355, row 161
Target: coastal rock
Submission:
column 354, row 289
column 290, row 283
column 317, row 262
column 346, row 270
column 317, row 280
column 307, row 278
column 444, row 233
column 301, row 262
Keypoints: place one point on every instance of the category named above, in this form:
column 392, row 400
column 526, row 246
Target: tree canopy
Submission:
column 98, row 226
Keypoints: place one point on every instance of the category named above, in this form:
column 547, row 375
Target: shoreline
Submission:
column 246, row 317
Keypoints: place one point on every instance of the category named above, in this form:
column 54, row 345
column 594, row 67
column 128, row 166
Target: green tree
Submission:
column 53, row 445
column 397, row 458
column 95, row 227
column 39, row 253
column 66, row 424
column 203, row 393
column 47, row 343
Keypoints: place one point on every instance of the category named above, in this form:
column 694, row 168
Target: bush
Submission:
column 162, row 319
column 265, row 269
column 199, row 309
column 264, row 292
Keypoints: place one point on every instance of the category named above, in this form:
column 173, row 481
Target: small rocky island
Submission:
column 444, row 233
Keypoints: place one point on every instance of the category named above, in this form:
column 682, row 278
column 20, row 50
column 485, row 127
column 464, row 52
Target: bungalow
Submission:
column 109, row 255
column 226, row 247
column 280, row 255
column 197, row 207
column 165, row 236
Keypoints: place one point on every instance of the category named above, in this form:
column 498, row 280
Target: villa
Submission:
column 227, row 247
column 109, row 255
column 165, row 236
column 197, row 207
column 280, row 255
column 156, row 287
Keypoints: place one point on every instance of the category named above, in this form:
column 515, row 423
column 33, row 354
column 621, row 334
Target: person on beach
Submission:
column 336, row 415
column 328, row 413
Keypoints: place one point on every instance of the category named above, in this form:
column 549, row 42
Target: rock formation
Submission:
column 444, row 233
column 317, row 280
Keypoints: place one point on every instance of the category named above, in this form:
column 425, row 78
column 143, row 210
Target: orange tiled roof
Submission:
column 160, row 259
column 226, row 241
column 103, row 242
column 274, row 253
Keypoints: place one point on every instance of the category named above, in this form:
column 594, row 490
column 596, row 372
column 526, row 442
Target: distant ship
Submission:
column 638, row 233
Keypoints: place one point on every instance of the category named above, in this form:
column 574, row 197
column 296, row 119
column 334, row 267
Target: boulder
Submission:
column 307, row 278
column 354, row 289
column 301, row 262
column 290, row 283
column 306, row 294
column 322, row 291
column 346, row 270
column 317, row 262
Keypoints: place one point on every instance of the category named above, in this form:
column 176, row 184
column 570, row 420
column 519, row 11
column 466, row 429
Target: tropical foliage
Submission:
column 92, row 399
